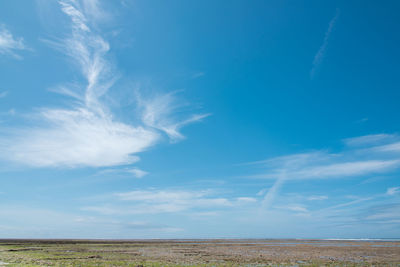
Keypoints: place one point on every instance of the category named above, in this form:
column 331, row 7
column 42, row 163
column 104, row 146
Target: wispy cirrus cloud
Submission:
column 138, row 173
column 312, row 198
column 319, row 56
column 332, row 170
column 368, row 140
column 383, row 213
column 391, row 191
column 154, row 201
column 393, row 147
column 88, row 133
column 295, row 208
column 9, row 44
column 162, row 112
column 123, row 171
column 362, row 156
column 384, row 143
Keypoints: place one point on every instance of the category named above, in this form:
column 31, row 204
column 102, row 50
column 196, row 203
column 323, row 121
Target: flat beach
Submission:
column 221, row 252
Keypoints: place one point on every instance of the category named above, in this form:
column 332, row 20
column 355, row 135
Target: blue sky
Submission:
column 199, row 119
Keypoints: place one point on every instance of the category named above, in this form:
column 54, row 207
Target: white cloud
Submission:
column 383, row 143
column 93, row 10
column 88, row 133
column 246, row 199
column 177, row 199
column 160, row 195
column 79, row 138
column 123, row 171
column 393, row 191
column 8, row 44
column 319, row 56
column 393, row 147
column 262, row 192
column 273, row 192
column 384, row 212
column 363, row 156
column 310, row 169
column 138, row 173
column 357, row 200
column 346, row 169
column 168, row 201
column 312, row 198
column 368, row 140
column 204, row 214
column 295, row 160
column 162, row 112
column 139, row 225
column 296, row 208
column 136, row 209
column 198, row 75
column 333, row 170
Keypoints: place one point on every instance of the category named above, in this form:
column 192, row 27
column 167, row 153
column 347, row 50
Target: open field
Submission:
column 198, row 253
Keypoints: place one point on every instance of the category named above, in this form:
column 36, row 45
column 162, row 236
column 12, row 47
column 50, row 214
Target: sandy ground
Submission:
column 200, row 252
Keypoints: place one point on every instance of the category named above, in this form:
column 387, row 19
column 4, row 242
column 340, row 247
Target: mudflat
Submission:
column 199, row 253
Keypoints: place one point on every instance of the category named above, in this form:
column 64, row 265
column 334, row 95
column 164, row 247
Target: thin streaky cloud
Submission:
column 246, row 199
column 273, row 192
column 393, row 191
column 334, row 170
column 88, row 133
column 138, row 173
column 297, row 159
column 393, row 147
column 350, row 203
column 348, row 169
column 262, row 192
column 384, row 212
column 198, row 75
column 154, row 201
column 313, row 198
column 319, row 56
column 372, row 158
column 9, row 44
column 162, row 112
column 368, row 140
column 128, row 171
column 295, row 208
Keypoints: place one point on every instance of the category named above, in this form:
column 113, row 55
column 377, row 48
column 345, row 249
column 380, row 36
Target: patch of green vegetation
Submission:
column 63, row 253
